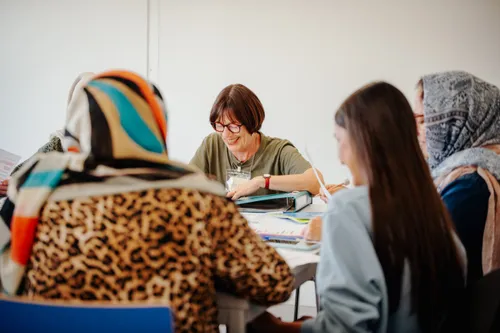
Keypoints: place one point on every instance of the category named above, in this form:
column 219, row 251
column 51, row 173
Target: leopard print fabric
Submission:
column 162, row 244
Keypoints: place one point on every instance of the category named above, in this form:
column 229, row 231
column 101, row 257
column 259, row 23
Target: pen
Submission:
column 269, row 237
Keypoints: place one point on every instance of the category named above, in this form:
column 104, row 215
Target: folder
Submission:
column 281, row 202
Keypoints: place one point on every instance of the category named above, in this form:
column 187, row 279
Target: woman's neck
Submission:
column 358, row 177
column 358, row 182
column 251, row 150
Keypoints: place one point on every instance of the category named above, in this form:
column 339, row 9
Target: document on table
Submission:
column 298, row 258
column 8, row 161
column 265, row 224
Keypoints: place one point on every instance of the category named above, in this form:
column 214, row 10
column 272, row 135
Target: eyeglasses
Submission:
column 419, row 118
column 233, row 128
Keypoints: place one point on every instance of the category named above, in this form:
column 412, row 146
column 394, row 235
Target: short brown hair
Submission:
column 239, row 103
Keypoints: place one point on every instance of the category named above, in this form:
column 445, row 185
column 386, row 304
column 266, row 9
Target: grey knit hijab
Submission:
column 462, row 114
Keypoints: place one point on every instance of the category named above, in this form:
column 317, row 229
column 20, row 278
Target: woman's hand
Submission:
column 269, row 323
column 247, row 188
column 211, row 177
column 331, row 189
column 266, row 322
column 4, row 185
column 312, row 231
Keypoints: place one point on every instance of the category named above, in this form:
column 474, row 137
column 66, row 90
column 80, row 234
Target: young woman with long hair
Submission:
column 390, row 259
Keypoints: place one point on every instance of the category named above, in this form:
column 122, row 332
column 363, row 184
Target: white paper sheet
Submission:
column 8, row 162
column 270, row 225
column 298, row 258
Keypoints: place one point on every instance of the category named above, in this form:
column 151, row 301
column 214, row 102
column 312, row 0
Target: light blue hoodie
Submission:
column 350, row 279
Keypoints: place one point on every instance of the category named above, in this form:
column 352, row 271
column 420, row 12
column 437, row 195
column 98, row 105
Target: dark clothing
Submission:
column 467, row 201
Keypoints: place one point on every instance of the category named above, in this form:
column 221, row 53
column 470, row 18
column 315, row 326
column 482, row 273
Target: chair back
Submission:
column 482, row 308
column 478, row 310
column 20, row 315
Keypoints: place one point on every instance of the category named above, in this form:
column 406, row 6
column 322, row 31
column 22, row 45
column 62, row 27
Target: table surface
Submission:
column 237, row 312
column 228, row 304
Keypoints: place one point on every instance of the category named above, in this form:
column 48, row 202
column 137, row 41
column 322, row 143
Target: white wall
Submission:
column 300, row 57
column 45, row 45
column 303, row 57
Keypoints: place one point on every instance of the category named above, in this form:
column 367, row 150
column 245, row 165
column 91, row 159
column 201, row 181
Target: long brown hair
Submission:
column 410, row 223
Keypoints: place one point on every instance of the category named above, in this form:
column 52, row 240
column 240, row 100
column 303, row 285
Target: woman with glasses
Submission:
column 244, row 159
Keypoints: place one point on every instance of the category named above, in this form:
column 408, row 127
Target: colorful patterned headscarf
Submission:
column 116, row 126
column 117, row 115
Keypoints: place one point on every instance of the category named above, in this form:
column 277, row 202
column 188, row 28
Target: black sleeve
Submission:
column 7, row 211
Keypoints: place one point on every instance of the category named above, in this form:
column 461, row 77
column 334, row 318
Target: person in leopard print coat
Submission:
column 117, row 221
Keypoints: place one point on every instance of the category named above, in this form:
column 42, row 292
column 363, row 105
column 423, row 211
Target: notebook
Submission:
column 280, row 233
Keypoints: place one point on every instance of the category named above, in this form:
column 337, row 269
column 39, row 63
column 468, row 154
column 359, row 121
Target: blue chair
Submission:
column 20, row 315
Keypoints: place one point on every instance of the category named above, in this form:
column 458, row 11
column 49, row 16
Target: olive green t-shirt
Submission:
column 275, row 156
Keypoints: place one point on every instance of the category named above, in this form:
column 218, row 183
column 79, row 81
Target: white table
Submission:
column 235, row 312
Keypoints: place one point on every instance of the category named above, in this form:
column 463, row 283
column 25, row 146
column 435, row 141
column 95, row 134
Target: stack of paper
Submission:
column 265, row 224
column 8, row 161
column 296, row 258
column 280, row 233
column 299, row 217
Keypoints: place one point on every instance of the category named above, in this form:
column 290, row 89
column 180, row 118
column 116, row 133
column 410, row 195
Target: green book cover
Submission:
column 289, row 201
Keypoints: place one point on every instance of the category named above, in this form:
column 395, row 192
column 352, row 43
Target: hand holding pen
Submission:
column 332, row 188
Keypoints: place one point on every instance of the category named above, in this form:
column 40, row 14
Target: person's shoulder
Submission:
column 349, row 212
column 194, row 186
column 470, row 180
column 54, row 144
column 271, row 140
column 276, row 143
column 467, row 197
column 212, row 140
column 469, row 185
column 353, row 202
column 206, row 197
column 349, row 197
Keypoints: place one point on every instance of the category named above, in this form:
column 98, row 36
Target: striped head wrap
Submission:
column 117, row 115
column 116, row 121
